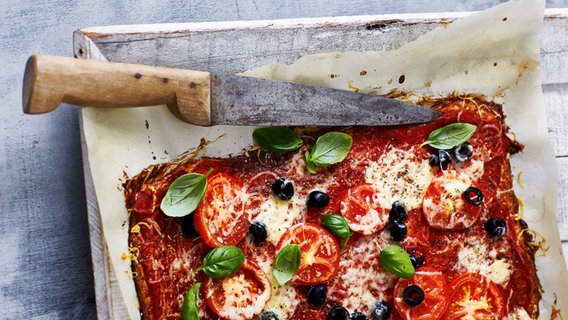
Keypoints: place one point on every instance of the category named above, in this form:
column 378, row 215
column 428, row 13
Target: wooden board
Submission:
column 212, row 46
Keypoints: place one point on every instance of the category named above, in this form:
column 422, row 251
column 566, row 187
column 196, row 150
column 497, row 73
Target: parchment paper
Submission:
column 494, row 53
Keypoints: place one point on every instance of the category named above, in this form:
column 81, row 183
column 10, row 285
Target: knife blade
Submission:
column 205, row 99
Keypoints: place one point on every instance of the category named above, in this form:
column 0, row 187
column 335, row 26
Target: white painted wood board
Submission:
column 212, row 46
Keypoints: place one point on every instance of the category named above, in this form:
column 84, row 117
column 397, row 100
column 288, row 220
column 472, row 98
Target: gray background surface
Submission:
column 45, row 262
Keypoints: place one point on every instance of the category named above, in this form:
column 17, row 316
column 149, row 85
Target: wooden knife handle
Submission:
column 50, row 81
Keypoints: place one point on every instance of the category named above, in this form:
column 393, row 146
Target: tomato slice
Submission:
column 222, row 218
column 362, row 210
column 474, row 297
column 444, row 203
column 319, row 253
column 436, row 292
column 240, row 296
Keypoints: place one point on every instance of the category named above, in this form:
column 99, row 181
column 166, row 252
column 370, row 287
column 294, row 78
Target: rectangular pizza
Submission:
column 402, row 222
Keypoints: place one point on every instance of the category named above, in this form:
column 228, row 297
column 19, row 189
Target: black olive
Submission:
column 398, row 212
column 283, row 188
column 444, row 157
column 441, row 157
column 358, row 316
column 413, row 295
column 473, row 196
column 417, row 262
column 338, row 313
column 317, row 294
column 463, row 152
column 258, row 231
column 434, row 160
column 269, row 315
column 380, row 311
column 496, row 227
column 188, row 226
column 317, row 199
column 397, row 230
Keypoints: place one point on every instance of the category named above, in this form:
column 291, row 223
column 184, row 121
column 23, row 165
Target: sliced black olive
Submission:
column 463, row 152
column 444, row 157
column 269, row 315
column 380, row 311
column 317, row 199
column 258, row 231
column 398, row 212
column 397, row 230
column 358, row 316
column 283, row 188
column 496, row 227
column 338, row 313
column 188, row 226
column 473, row 196
column 417, row 262
column 317, row 294
column 413, row 295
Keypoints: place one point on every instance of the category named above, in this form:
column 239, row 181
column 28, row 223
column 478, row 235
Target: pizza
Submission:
column 402, row 222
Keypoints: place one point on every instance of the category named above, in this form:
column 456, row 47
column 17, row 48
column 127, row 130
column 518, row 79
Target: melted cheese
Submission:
column 473, row 167
column 279, row 216
column 360, row 289
column 283, row 299
column 474, row 257
column 228, row 207
column 401, row 176
column 238, row 294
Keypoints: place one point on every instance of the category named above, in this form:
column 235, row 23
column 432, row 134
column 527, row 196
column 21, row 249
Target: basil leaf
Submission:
column 309, row 163
column 190, row 308
column 222, row 261
column 450, row 136
column 329, row 149
column 337, row 225
column 287, row 263
column 276, row 139
column 184, row 194
column 397, row 261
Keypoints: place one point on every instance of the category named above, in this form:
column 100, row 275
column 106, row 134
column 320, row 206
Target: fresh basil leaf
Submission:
column 337, row 225
column 287, row 263
column 184, row 194
column 396, row 260
column 222, row 261
column 309, row 163
column 450, row 136
column 276, row 139
column 190, row 308
column 330, row 148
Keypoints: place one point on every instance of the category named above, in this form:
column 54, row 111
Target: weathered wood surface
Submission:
column 45, row 255
column 171, row 45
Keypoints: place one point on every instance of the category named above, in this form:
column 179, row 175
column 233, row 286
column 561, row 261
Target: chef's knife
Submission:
column 205, row 99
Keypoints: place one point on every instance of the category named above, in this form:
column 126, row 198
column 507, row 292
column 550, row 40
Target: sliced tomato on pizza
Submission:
column 319, row 253
column 222, row 218
column 474, row 297
column 362, row 209
column 452, row 201
column 424, row 296
column 240, row 296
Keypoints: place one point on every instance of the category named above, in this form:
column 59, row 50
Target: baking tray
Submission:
column 242, row 45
